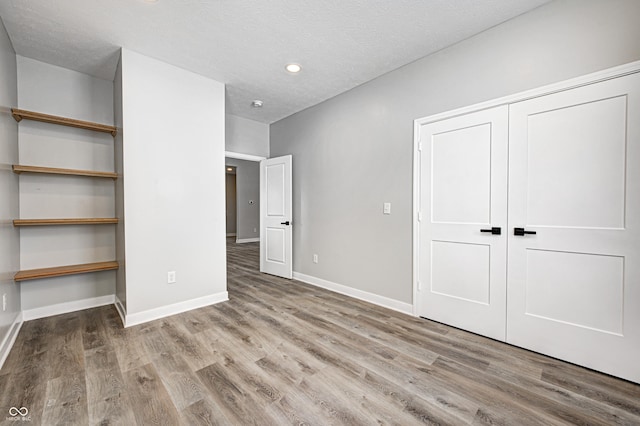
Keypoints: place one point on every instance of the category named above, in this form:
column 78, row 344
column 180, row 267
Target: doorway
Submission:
column 243, row 200
column 231, row 201
column 242, row 175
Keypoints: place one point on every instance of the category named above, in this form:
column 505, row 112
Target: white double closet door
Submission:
column 564, row 169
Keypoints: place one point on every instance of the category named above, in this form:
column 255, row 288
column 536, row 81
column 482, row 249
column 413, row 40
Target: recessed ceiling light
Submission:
column 256, row 104
column 293, row 68
column 229, row 169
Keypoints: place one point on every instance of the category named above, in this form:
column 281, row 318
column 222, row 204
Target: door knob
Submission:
column 495, row 230
column 520, row 232
column 285, row 223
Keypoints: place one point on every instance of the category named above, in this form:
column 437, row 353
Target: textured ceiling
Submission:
column 246, row 43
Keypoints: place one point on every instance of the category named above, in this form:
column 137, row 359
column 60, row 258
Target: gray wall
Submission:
column 247, row 190
column 354, row 152
column 9, row 236
column 246, row 136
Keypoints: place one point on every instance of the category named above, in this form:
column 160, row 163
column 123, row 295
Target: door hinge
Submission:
column 419, row 216
column 419, row 285
column 420, row 146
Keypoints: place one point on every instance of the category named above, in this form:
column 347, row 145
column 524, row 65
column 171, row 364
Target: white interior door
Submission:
column 276, row 217
column 574, row 285
column 462, row 196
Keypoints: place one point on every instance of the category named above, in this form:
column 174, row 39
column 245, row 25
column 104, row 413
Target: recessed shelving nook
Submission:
column 58, row 271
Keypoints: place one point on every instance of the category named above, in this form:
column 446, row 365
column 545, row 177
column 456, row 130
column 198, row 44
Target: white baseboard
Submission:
column 10, row 338
column 94, row 302
column 385, row 302
column 121, row 310
column 66, row 307
column 247, row 240
column 176, row 308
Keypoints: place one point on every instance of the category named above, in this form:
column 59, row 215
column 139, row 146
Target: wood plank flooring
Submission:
column 282, row 352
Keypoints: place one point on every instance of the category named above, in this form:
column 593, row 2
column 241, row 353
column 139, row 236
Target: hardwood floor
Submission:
column 282, row 352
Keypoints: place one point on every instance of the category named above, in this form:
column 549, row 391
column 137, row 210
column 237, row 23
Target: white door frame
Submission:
column 246, row 157
column 610, row 73
column 241, row 156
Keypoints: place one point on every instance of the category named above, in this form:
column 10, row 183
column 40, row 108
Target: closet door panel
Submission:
column 574, row 180
column 463, row 171
column 576, row 165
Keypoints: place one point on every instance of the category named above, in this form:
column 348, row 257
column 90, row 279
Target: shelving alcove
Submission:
column 58, row 271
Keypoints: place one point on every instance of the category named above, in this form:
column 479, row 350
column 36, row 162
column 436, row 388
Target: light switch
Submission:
column 386, row 208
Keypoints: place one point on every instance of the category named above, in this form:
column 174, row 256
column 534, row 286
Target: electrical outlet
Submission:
column 386, row 208
column 171, row 277
column 315, row 258
column 255, row 230
column 4, row 302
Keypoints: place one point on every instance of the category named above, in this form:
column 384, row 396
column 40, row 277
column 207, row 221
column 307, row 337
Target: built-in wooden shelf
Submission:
column 59, row 271
column 76, row 221
column 21, row 114
column 55, row 171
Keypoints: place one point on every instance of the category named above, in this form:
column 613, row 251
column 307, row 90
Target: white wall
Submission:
column 121, row 289
column 54, row 90
column 354, row 152
column 173, row 165
column 246, row 136
column 9, row 236
column 247, row 190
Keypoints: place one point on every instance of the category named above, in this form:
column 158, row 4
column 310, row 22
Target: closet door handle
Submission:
column 284, row 223
column 521, row 232
column 495, row 230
